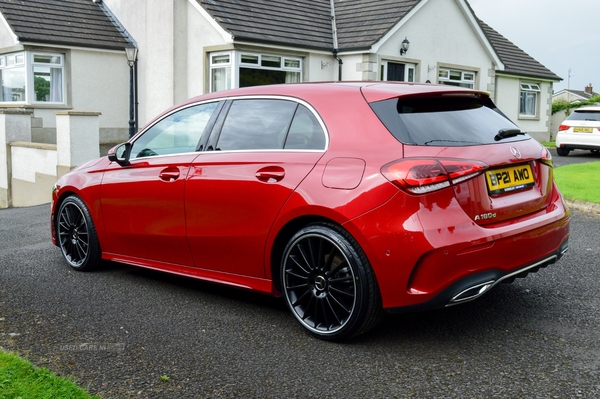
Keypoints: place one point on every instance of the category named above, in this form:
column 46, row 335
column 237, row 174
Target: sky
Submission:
column 562, row 35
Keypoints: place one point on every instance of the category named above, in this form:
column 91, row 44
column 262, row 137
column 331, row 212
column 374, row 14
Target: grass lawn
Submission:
column 579, row 181
column 20, row 379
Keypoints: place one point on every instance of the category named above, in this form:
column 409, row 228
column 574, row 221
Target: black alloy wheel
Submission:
column 328, row 283
column 76, row 235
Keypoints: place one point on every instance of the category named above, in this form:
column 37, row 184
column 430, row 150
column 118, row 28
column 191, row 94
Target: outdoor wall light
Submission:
column 404, row 47
column 131, row 52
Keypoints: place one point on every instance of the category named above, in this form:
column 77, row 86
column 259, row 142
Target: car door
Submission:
column 260, row 153
column 143, row 203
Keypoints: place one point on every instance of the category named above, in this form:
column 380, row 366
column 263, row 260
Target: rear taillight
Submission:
column 546, row 157
column 424, row 175
column 563, row 127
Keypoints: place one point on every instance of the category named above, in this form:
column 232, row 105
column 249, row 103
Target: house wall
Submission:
column 453, row 43
column 508, row 100
column 320, row 67
column 171, row 36
column 568, row 96
column 97, row 81
column 7, row 37
column 33, row 173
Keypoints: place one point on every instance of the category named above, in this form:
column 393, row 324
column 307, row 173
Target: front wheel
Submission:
column 328, row 283
column 76, row 235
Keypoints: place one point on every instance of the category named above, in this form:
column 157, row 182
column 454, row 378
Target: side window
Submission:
column 528, row 106
column 305, row 132
column 177, row 133
column 256, row 124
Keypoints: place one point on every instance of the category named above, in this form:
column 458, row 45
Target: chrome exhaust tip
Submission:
column 471, row 293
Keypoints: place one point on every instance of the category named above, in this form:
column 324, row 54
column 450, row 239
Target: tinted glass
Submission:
column 443, row 121
column 585, row 116
column 259, row 124
column 305, row 132
column 178, row 132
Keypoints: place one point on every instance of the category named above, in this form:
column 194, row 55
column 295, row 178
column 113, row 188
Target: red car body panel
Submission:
column 218, row 216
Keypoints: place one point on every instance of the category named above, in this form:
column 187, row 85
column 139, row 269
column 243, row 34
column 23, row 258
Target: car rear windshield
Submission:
column 445, row 120
column 585, row 116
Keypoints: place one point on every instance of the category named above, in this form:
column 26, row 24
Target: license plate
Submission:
column 583, row 130
column 509, row 179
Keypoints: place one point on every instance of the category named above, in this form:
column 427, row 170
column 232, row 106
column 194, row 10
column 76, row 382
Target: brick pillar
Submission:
column 77, row 139
column 15, row 125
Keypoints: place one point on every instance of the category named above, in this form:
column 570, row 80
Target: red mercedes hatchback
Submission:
column 347, row 199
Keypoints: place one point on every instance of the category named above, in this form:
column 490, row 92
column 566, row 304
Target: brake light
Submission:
column 424, row 175
column 563, row 127
column 546, row 157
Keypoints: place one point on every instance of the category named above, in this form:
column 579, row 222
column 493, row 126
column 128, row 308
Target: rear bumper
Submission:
column 476, row 285
column 578, row 141
column 580, row 147
column 432, row 254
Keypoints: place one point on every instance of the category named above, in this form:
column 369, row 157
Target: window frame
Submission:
column 236, row 61
column 204, row 135
column 26, row 60
column 211, row 145
column 410, row 71
column 462, row 82
column 527, row 89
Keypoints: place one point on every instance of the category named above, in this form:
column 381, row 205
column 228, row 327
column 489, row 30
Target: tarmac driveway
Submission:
column 125, row 332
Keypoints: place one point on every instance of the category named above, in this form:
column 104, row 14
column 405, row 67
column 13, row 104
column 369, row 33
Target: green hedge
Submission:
column 562, row 104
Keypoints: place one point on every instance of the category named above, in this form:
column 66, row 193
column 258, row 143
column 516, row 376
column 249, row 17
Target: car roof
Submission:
column 586, row 109
column 372, row 91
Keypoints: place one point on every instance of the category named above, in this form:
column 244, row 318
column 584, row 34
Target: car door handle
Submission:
column 270, row 174
column 169, row 174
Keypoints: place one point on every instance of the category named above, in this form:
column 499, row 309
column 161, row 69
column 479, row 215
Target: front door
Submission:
column 395, row 72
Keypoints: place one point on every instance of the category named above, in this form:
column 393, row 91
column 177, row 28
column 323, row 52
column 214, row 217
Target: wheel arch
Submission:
column 287, row 232
column 94, row 210
column 283, row 237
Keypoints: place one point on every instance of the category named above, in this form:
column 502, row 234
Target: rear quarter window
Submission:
column 443, row 120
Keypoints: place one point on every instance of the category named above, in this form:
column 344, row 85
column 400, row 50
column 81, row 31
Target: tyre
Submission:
column 563, row 152
column 76, row 235
column 328, row 283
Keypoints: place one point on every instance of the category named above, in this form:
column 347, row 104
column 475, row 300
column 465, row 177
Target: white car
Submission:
column 580, row 131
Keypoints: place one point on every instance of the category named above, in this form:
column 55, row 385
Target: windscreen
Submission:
column 444, row 120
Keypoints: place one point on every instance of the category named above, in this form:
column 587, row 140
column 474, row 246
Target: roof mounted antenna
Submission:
column 335, row 40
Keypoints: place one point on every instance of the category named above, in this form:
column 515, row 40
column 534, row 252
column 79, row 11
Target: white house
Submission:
column 64, row 55
column 190, row 47
column 575, row 96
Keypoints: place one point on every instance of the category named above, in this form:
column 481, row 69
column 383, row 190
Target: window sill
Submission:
column 34, row 106
column 529, row 118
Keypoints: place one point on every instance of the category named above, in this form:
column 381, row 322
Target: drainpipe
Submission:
column 335, row 41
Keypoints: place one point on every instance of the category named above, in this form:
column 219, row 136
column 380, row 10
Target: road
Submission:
column 124, row 332
column 576, row 156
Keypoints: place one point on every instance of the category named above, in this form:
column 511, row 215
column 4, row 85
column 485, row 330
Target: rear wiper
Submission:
column 505, row 133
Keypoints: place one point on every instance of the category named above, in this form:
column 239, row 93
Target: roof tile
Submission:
column 66, row 22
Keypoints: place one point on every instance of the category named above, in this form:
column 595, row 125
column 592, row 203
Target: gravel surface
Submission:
column 123, row 332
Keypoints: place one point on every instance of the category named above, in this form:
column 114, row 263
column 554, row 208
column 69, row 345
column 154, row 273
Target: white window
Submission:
column 220, row 72
column 529, row 99
column 47, row 77
column 455, row 77
column 13, row 76
column 32, row 78
column 242, row 69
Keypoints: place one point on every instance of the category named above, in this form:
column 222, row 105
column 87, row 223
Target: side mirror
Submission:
column 120, row 154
